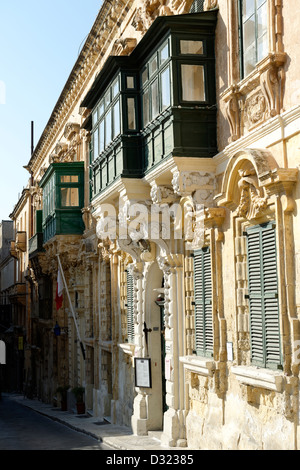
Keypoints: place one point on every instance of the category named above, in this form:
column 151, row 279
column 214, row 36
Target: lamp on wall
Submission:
column 160, row 296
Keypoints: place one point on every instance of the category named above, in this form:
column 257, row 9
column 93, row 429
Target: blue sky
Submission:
column 39, row 44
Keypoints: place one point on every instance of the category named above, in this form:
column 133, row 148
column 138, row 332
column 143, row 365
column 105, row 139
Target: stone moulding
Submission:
column 200, row 365
column 127, row 348
column 256, row 98
column 264, row 172
column 260, row 378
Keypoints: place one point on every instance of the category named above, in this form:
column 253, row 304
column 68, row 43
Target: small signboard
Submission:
column 229, row 347
column 142, row 372
column 2, row 353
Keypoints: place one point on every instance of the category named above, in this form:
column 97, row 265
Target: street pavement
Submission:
column 114, row 436
column 22, row 429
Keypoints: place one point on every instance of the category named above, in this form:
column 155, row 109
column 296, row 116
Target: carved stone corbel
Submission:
column 60, row 149
column 210, row 4
column 71, row 129
column 162, row 194
column 124, row 46
column 252, row 203
column 272, row 84
column 200, row 184
column 233, row 115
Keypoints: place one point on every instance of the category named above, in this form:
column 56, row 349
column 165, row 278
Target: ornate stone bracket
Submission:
column 252, row 176
column 151, row 9
column 71, row 129
column 124, row 46
column 257, row 98
column 251, row 202
column 199, row 184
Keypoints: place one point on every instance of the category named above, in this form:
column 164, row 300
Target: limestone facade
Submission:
column 132, row 268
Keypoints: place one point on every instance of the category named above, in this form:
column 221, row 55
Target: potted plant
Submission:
column 79, row 393
column 63, row 396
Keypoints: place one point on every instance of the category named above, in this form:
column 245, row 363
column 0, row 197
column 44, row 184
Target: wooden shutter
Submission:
column 130, row 322
column 263, row 296
column 203, row 302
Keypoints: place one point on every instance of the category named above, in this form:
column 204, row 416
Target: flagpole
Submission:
column 71, row 306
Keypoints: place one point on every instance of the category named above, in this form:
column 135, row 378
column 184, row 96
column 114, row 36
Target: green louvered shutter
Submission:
column 263, row 296
column 130, row 322
column 203, row 302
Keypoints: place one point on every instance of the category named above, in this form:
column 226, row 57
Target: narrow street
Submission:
column 24, row 429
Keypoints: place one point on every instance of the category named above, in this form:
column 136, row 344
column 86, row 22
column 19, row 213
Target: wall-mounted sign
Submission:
column 142, row 372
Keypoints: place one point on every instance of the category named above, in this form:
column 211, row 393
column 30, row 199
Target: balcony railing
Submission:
column 35, row 244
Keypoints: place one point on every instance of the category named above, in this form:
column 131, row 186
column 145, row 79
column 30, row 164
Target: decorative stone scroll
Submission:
column 124, row 46
column 251, row 202
column 71, row 129
column 252, row 176
column 210, row 4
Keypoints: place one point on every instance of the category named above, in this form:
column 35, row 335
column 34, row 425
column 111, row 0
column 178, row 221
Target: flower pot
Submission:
column 80, row 408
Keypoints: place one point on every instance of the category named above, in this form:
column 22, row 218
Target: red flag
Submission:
column 59, row 291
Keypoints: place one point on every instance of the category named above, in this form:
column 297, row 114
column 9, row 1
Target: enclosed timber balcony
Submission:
column 63, row 199
column 156, row 103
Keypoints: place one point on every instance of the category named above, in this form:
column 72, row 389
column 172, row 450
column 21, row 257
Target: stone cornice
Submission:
column 20, row 204
column 94, row 49
column 112, row 21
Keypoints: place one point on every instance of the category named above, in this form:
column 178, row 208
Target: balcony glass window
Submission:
column 131, row 113
column 101, row 108
column 69, row 179
column 108, row 129
column 191, row 47
column 193, row 86
column 95, row 142
column 146, row 107
column 164, row 53
column 115, row 88
column 106, row 119
column 117, row 122
column 165, row 88
column 49, row 198
column 153, row 65
column 101, row 135
column 69, row 197
column 145, row 75
column 156, row 84
column 154, row 99
column 130, row 82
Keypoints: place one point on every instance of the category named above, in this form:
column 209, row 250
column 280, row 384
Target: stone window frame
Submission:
column 269, row 198
column 214, row 366
column 250, row 101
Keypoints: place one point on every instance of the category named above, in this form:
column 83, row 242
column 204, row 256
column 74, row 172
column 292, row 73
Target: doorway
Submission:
column 161, row 303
